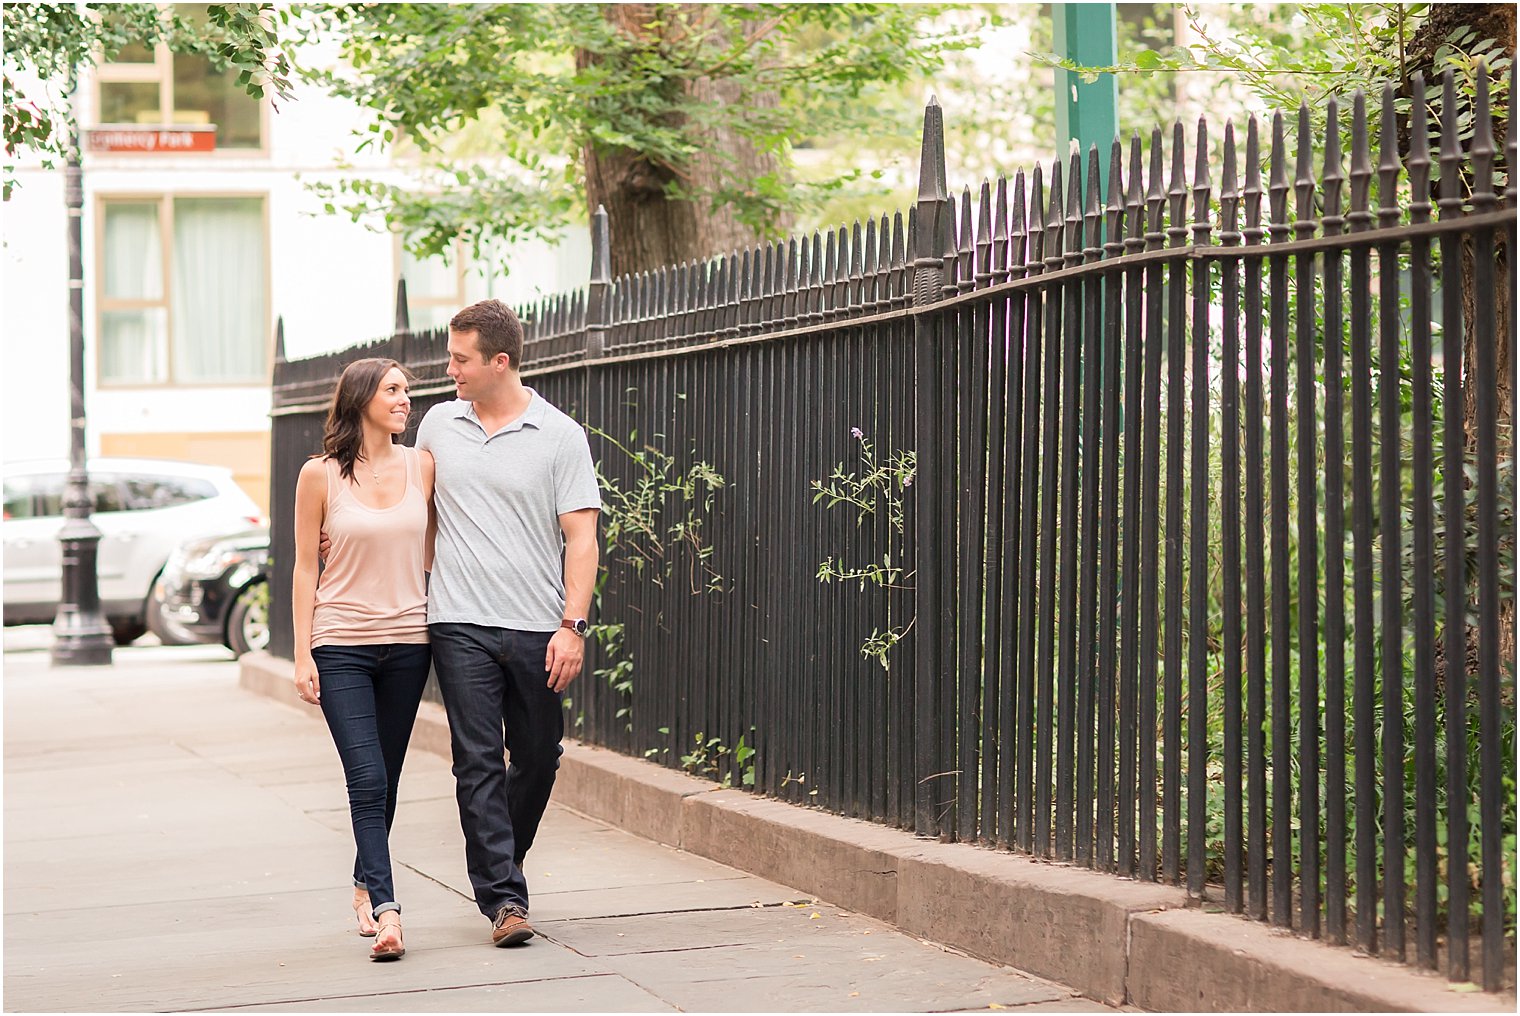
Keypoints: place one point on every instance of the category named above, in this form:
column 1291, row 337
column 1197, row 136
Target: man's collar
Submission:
column 533, row 415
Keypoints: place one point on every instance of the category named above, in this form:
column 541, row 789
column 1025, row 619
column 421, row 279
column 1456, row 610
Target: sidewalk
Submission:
column 173, row 842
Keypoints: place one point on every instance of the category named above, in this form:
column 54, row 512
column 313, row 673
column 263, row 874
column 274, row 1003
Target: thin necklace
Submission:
column 373, row 471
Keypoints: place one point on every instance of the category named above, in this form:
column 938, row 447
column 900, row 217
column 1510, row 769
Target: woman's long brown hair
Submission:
column 343, row 436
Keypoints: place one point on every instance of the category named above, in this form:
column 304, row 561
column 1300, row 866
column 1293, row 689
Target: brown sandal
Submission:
column 393, row 952
column 361, row 912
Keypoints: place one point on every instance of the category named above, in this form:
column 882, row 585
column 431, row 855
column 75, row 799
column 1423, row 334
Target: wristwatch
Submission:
column 578, row 625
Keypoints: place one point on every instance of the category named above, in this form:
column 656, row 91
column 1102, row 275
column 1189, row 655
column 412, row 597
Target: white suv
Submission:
column 143, row 508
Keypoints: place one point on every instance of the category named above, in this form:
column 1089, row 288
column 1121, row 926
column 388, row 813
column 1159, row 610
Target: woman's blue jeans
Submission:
column 369, row 697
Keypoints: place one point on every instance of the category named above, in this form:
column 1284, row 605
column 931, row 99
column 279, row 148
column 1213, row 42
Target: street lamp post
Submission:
column 81, row 636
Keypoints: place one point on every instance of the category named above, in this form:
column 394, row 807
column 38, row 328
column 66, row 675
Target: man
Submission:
column 514, row 566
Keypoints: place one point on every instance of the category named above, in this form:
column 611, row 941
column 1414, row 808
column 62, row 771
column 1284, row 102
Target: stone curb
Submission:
column 1114, row 940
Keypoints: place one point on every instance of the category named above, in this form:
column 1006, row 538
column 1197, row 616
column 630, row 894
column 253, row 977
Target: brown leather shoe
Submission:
column 511, row 927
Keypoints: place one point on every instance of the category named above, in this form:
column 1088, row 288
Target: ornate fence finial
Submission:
column 599, row 290
column 933, row 205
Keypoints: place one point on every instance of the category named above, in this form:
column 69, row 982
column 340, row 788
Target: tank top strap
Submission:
column 334, row 485
column 413, row 466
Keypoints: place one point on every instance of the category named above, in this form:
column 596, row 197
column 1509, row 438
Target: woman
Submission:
column 361, row 638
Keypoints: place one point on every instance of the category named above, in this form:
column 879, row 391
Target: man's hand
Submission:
column 323, row 546
column 562, row 662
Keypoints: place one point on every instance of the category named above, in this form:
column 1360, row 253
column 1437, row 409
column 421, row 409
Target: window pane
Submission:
column 132, row 260
column 203, row 94
column 134, row 53
column 220, row 332
column 33, row 497
column 144, row 493
column 105, row 493
column 427, row 316
column 132, row 345
column 130, row 102
column 430, row 278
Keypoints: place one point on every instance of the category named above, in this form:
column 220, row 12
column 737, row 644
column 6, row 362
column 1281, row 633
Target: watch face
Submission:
column 581, row 626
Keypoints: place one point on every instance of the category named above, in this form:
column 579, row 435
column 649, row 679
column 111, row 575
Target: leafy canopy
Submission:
column 499, row 103
column 47, row 45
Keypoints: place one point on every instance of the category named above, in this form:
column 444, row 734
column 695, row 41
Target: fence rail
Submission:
column 1147, row 530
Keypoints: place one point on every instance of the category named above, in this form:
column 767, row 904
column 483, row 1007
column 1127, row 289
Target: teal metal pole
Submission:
column 1086, row 113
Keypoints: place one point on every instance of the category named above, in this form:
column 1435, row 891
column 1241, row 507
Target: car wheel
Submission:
column 126, row 630
column 248, row 620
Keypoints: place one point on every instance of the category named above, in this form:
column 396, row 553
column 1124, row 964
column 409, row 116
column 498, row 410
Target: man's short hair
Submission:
column 496, row 329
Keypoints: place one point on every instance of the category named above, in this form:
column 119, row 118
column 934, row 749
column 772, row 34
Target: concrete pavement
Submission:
column 173, row 842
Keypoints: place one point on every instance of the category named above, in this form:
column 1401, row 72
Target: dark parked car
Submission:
column 216, row 590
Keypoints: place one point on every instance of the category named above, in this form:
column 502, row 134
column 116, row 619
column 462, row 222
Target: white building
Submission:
column 191, row 256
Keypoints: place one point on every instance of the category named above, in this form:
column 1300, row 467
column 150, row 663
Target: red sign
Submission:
column 131, row 138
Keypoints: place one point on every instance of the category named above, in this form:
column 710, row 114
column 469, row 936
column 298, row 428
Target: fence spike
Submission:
column 1176, row 225
column 933, row 205
column 279, row 342
column 599, row 305
column 984, row 235
column 1074, row 232
column 1203, row 181
column 816, row 280
column 1229, row 191
column 1093, row 226
column 902, row 239
column 860, row 243
column 1419, row 152
column 1055, row 220
column 1251, row 192
column 403, row 312
column 949, row 256
column 1303, row 180
column 871, row 251
column 1334, row 175
column 1113, row 212
column 731, row 295
column 767, row 270
column 1019, row 235
column 1037, row 221
column 1389, row 163
column 1277, row 186
column 1134, row 199
column 965, row 270
column 1155, row 197
column 841, row 276
column 1000, row 232
column 1483, row 149
column 1361, row 165
column 831, row 258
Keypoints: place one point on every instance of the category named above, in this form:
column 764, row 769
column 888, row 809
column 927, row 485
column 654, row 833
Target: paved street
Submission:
column 173, row 842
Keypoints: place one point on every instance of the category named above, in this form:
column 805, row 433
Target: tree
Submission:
column 48, row 45
column 679, row 118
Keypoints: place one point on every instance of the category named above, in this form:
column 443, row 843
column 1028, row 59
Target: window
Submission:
column 144, row 493
column 435, row 290
column 41, row 496
column 144, row 86
column 183, row 297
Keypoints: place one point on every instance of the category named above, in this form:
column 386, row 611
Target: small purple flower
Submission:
column 856, row 433
column 907, row 481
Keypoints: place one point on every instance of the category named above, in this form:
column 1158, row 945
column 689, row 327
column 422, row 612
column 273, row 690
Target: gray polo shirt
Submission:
column 499, row 558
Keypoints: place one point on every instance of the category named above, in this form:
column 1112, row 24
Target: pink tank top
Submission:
column 372, row 589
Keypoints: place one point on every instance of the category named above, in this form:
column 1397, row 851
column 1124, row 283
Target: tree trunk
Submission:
column 649, row 228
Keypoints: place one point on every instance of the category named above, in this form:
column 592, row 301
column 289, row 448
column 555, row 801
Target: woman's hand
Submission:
column 308, row 684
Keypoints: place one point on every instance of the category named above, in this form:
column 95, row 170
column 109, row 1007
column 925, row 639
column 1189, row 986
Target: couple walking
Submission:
column 475, row 551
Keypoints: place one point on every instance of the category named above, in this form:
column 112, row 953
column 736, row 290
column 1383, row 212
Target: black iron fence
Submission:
column 1145, row 528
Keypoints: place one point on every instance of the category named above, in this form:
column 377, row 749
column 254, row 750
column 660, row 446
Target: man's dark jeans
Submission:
column 497, row 696
column 369, row 698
